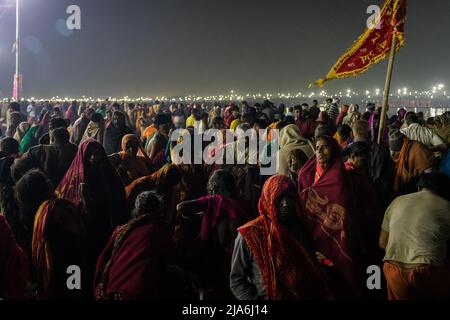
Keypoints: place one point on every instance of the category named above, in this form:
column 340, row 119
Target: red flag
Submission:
column 373, row 45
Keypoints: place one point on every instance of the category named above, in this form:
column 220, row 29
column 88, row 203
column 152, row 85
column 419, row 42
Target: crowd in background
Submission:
column 93, row 185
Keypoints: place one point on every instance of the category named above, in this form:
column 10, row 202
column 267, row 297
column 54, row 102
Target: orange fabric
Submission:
column 272, row 126
column 424, row 282
column 142, row 122
column 131, row 137
column 289, row 272
column 42, row 257
column 131, row 169
column 149, row 131
column 413, row 159
column 153, row 181
column 342, row 143
column 319, row 172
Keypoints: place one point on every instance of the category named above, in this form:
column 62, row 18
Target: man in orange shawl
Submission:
column 274, row 247
column 132, row 162
column 411, row 159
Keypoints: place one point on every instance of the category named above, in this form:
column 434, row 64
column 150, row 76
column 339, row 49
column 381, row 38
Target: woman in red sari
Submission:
column 91, row 180
column 93, row 185
column 134, row 263
column 325, row 194
column 59, row 241
column 277, row 244
column 54, row 237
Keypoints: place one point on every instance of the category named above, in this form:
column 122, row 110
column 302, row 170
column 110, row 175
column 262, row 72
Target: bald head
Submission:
column 361, row 131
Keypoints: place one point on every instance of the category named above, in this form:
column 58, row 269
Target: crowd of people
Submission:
column 94, row 185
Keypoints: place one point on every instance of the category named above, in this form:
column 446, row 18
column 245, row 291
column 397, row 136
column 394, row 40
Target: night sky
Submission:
column 177, row 47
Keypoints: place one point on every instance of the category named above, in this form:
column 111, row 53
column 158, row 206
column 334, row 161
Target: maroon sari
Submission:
column 326, row 208
column 107, row 207
column 133, row 264
column 106, row 185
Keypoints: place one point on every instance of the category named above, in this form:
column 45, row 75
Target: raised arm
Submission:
column 189, row 208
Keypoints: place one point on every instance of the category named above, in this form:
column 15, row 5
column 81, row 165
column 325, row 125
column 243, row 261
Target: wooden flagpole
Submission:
column 387, row 87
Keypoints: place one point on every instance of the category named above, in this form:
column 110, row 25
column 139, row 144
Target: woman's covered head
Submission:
column 118, row 119
column 296, row 159
column 130, row 145
column 278, row 201
column 94, row 154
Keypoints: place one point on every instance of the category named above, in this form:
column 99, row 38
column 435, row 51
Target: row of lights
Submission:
column 437, row 90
